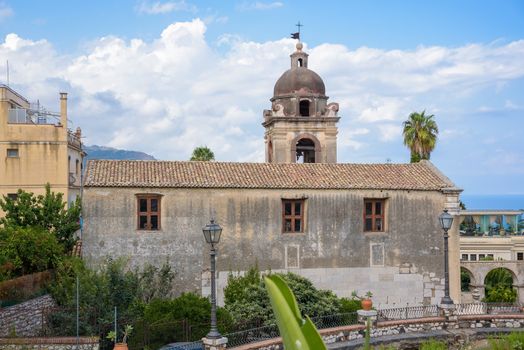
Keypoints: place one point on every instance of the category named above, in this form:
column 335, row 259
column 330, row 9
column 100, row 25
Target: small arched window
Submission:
column 300, row 63
column 304, row 108
column 77, row 166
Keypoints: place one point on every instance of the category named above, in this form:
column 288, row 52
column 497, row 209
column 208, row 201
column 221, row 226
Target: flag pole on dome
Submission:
column 297, row 34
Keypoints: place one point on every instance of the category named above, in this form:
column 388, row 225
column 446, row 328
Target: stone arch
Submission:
column 313, row 139
column 472, row 279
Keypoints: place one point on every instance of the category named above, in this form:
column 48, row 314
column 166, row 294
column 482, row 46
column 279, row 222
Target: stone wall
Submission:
column 25, row 319
column 391, row 286
column 56, row 343
column 407, row 256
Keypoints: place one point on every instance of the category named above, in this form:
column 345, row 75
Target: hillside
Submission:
column 102, row 152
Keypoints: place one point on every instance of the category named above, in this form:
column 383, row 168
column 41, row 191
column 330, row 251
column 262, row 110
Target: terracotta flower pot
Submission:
column 120, row 346
column 367, row 304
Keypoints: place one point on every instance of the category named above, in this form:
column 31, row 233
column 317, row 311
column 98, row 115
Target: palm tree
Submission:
column 420, row 135
column 202, row 153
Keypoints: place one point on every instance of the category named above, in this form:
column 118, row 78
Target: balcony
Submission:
column 74, row 139
column 491, row 223
column 32, row 116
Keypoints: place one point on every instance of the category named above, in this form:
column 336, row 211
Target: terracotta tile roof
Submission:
column 142, row 173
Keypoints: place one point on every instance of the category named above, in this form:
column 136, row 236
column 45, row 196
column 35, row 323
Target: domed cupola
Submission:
column 301, row 125
column 299, row 79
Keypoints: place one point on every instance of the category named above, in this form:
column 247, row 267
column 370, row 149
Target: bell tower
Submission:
column 301, row 126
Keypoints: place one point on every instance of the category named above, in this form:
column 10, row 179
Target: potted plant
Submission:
column 365, row 301
column 123, row 345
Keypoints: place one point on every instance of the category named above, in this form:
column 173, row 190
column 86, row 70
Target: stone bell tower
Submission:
column 301, row 126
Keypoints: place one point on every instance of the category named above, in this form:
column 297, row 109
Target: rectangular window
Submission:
column 12, row 196
column 490, row 256
column 520, row 256
column 12, row 152
column 148, row 212
column 374, row 215
column 482, row 256
column 292, row 215
column 464, row 257
column 473, row 257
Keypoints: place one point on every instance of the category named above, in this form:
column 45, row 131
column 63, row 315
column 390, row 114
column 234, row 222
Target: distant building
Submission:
column 364, row 227
column 37, row 148
column 489, row 240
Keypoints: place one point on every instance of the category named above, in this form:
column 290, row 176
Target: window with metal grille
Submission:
column 292, row 215
column 374, row 215
column 148, row 212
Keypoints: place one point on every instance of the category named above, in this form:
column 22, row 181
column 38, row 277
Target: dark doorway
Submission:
column 304, row 108
column 305, row 151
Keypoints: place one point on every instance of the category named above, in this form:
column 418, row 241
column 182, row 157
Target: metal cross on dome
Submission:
column 297, row 34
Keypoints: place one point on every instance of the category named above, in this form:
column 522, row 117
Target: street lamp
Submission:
column 212, row 233
column 446, row 220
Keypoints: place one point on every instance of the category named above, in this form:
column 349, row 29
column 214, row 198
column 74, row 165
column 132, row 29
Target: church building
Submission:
column 362, row 227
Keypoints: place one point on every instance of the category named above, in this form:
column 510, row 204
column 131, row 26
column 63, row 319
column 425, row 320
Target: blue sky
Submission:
column 165, row 76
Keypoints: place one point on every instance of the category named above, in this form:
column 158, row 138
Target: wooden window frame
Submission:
column 293, row 216
column 148, row 213
column 373, row 216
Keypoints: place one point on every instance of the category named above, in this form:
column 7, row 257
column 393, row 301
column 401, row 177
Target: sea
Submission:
column 493, row 201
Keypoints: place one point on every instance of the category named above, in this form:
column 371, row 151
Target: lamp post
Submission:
column 212, row 233
column 446, row 220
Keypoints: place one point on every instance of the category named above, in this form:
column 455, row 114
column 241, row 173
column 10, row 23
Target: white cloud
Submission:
column 260, row 5
column 5, row 11
column 159, row 7
column 166, row 96
column 390, row 132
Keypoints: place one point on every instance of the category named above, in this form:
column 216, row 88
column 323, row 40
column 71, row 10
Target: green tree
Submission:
column 48, row 211
column 27, row 250
column 420, row 135
column 113, row 285
column 202, row 153
column 499, row 286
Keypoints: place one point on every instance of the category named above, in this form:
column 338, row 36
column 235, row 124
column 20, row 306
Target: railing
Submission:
column 406, row 313
column 394, row 314
column 487, row 308
column 197, row 345
column 252, row 335
column 337, row 320
column 29, row 116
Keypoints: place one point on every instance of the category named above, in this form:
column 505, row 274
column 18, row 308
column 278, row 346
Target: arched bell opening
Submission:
column 305, row 151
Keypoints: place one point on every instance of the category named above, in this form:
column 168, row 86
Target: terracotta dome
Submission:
column 298, row 78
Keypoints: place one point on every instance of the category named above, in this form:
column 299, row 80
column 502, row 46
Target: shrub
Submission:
column 114, row 285
column 27, row 250
column 349, row 305
column 433, row 344
column 185, row 318
column 247, row 300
